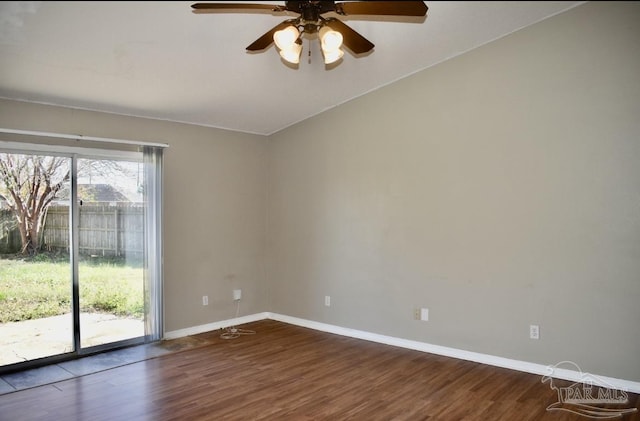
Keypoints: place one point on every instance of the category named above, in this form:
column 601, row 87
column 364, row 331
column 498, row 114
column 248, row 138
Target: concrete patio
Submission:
column 31, row 339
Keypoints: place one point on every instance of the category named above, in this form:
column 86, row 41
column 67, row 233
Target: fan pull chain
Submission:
column 309, row 48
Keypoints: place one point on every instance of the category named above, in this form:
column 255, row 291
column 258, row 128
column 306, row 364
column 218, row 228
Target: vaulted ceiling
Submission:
column 160, row 60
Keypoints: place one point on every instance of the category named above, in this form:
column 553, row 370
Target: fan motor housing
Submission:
column 310, row 10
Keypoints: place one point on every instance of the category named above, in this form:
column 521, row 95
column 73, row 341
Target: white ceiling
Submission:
column 160, row 60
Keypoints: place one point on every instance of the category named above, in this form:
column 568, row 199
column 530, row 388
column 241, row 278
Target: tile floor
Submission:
column 40, row 376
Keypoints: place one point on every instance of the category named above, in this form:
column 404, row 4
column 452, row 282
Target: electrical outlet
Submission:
column 421, row 314
column 534, row 332
column 205, row 300
column 424, row 314
column 237, row 294
column 327, row 301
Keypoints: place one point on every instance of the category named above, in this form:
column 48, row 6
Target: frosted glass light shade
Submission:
column 286, row 37
column 332, row 56
column 329, row 39
column 292, row 54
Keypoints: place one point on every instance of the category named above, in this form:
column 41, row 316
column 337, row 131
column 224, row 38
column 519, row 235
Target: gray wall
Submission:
column 498, row 189
column 214, row 206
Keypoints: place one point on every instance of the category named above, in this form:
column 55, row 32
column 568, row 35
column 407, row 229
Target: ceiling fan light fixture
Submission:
column 292, row 54
column 332, row 56
column 331, row 31
column 330, row 42
column 329, row 39
column 286, row 38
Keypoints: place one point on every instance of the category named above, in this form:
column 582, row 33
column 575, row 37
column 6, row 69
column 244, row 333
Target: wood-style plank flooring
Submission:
column 286, row 372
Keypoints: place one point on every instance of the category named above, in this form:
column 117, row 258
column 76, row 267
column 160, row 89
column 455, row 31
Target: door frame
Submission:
column 75, row 153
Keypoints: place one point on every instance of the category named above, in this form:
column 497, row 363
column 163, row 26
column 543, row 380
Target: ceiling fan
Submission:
column 332, row 32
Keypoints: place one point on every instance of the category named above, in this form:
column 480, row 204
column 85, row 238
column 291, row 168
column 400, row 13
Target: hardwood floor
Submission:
column 285, row 372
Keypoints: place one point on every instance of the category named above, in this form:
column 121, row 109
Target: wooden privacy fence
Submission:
column 104, row 230
column 9, row 233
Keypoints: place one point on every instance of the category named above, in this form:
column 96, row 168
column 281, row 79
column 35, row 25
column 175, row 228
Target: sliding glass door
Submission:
column 80, row 251
column 110, row 250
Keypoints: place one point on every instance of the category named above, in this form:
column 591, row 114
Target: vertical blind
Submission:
column 152, row 191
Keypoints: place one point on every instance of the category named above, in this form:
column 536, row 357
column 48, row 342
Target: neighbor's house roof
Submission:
column 100, row 193
column 90, row 193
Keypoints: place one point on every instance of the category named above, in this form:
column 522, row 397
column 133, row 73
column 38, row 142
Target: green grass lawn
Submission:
column 41, row 287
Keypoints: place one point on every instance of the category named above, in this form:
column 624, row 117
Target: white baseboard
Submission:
column 527, row 367
column 174, row 334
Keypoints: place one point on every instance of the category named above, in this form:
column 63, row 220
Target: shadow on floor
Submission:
column 40, row 376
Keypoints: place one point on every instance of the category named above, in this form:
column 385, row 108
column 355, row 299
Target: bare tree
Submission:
column 29, row 183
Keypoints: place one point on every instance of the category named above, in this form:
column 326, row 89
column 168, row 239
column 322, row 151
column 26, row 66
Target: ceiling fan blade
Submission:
column 389, row 8
column 350, row 38
column 267, row 39
column 245, row 7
